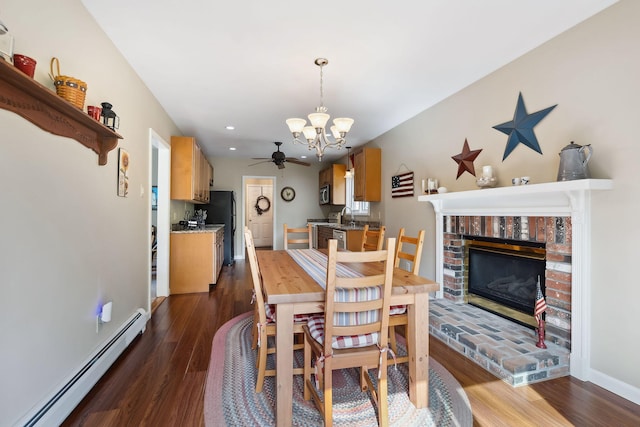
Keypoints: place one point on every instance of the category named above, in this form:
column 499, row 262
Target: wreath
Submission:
column 261, row 209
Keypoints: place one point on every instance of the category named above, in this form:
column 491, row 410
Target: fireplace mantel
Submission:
column 549, row 199
column 565, row 198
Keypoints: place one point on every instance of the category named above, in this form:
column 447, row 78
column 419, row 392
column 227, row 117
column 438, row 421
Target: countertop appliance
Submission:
column 222, row 210
column 325, row 194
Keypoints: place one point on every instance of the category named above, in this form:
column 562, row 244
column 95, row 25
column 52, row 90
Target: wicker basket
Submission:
column 73, row 90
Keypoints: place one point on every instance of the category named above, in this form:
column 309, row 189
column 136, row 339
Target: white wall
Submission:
column 228, row 173
column 68, row 242
column 591, row 72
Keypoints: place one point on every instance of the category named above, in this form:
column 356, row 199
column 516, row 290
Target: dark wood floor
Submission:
column 159, row 380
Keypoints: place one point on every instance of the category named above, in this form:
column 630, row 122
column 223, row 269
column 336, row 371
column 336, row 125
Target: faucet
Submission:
column 352, row 223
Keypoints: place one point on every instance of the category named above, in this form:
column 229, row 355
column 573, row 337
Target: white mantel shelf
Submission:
column 550, row 198
column 564, row 198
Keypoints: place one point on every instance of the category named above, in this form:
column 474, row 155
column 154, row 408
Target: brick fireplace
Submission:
column 557, row 214
column 554, row 232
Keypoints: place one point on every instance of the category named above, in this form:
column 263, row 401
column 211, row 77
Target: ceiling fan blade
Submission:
column 264, row 161
column 297, row 162
column 261, row 158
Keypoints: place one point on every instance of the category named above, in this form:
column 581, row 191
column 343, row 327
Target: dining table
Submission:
column 296, row 290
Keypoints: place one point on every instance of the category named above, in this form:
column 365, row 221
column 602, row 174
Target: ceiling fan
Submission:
column 279, row 158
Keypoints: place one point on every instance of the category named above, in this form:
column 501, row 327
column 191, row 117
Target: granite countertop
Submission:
column 347, row 227
column 208, row 228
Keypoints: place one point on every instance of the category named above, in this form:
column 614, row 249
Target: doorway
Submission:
column 259, row 209
column 159, row 177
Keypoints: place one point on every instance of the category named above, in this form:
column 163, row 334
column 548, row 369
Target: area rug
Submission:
column 231, row 400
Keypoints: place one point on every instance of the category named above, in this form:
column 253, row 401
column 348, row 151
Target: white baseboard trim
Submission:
column 56, row 407
column 616, row 386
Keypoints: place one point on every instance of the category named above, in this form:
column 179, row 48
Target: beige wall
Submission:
column 592, row 73
column 68, row 242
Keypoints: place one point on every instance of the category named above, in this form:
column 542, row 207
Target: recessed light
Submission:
column 303, row 157
column 232, row 148
column 230, row 127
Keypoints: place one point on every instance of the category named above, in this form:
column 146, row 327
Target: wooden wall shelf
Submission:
column 44, row 108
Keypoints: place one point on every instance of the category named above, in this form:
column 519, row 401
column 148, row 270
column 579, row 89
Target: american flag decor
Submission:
column 402, row 185
column 541, row 304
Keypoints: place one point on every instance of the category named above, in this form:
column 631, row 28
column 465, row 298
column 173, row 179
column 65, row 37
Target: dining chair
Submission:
column 299, row 236
column 352, row 332
column 399, row 312
column 264, row 319
column 372, row 240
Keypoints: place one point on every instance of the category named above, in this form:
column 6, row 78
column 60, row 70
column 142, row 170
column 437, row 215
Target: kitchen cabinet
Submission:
column 196, row 260
column 191, row 172
column 367, row 184
column 218, row 258
column 333, row 176
column 354, row 240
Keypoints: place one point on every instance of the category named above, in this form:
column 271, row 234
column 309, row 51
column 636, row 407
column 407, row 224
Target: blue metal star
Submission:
column 520, row 129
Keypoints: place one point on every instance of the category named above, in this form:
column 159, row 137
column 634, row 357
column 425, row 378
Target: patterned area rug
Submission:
column 231, row 400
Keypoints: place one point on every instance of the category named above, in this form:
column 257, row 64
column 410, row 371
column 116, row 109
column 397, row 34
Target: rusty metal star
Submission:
column 465, row 160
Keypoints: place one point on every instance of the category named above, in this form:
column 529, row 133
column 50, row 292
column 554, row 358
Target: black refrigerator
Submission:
column 222, row 210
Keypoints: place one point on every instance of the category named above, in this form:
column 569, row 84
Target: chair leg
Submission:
column 383, row 410
column 327, row 391
column 254, row 333
column 306, row 378
column 392, row 339
column 262, row 361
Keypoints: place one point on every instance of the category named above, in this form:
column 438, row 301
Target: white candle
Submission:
column 487, row 171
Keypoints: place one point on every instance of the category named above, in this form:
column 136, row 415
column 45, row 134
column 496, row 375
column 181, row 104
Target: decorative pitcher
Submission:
column 573, row 162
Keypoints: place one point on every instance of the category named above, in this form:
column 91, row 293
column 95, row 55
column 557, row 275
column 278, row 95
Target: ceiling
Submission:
column 250, row 64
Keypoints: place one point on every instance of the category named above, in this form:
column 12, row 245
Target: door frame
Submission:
column 162, row 213
column 246, row 178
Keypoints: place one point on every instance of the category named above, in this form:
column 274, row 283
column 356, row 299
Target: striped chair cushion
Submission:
column 397, row 309
column 270, row 311
column 316, row 328
column 316, row 323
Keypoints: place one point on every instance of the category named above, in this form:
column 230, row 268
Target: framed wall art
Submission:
column 123, row 172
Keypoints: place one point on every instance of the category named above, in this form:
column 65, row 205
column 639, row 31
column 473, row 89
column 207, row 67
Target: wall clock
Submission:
column 288, row 194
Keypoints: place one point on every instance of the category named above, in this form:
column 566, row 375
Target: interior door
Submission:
column 260, row 222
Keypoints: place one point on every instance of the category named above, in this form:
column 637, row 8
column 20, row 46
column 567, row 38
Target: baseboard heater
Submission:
column 55, row 409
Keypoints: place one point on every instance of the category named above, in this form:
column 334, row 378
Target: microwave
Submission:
column 325, row 193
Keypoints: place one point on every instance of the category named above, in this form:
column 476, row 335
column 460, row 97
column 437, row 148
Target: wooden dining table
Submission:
column 294, row 291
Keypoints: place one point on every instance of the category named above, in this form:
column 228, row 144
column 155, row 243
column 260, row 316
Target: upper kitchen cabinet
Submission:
column 191, row 172
column 367, row 184
column 333, row 176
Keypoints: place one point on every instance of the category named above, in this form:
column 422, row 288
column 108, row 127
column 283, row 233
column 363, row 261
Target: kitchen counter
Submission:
column 209, row 228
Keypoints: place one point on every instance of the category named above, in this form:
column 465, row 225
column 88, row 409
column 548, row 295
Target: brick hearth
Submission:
column 501, row 346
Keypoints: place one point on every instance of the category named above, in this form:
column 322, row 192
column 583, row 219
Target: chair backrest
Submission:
column 298, row 236
column 255, row 275
column 362, row 303
column 372, row 240
column 401, row 252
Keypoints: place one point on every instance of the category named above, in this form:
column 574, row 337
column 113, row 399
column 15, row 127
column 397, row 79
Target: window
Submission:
column 357, row 208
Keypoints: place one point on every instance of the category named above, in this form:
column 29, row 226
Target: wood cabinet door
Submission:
column 191, row 262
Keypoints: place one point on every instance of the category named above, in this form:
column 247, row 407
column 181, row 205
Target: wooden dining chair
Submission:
column 298, row 236
column 372, row 240
column 352, row 333
column 264, row 318
column 399, row 312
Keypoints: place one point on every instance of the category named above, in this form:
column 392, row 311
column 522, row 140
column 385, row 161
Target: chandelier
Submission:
column 315, row 134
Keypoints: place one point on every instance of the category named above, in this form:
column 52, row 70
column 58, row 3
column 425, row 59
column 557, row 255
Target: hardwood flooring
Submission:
column 159, row 380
